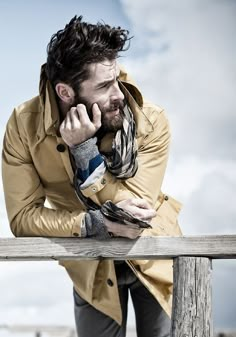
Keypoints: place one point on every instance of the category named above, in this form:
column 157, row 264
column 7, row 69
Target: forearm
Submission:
column 42, row 221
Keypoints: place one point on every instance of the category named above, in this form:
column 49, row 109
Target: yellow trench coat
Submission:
column 36, row 166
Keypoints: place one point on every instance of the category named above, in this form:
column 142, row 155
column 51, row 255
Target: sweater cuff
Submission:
column 95, row 226
column 85, row 152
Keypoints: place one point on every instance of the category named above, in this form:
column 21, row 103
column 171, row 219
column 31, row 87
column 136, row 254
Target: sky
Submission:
column 182, row 56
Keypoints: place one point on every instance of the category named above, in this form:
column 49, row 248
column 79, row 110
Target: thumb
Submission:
column 96, row 116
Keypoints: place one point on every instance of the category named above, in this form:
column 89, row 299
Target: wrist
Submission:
column 85, row 152
column 95, row 225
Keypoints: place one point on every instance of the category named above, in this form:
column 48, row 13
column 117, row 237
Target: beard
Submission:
column 109, row 123
column 115, row 123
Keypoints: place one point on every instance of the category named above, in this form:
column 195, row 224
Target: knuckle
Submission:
column 80, row 106
column 72, row 110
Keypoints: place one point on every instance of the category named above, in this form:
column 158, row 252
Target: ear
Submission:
column 65, row 92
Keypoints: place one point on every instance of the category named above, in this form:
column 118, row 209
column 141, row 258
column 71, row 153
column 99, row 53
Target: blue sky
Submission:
column 183, row 58
column 26, row 27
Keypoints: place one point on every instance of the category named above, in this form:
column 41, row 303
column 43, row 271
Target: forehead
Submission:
column 103, row 71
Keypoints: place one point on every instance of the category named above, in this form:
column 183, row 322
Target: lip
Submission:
column 113, row 113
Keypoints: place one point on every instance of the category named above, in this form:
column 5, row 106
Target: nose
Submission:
column 116, row 93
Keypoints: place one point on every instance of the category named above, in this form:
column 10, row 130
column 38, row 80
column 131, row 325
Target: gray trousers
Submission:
column 151, row 319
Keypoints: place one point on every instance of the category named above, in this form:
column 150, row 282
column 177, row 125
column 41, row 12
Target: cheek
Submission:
column 102, row 101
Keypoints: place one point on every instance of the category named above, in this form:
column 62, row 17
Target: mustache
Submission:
column 116, row 105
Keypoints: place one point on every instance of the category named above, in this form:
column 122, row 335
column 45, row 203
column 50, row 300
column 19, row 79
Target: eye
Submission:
column 105, row 85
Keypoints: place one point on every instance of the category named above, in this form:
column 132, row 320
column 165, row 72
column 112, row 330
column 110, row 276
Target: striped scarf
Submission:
column 123, row 160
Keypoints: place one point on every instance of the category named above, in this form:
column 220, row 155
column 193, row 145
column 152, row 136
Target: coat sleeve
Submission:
column 24, row 193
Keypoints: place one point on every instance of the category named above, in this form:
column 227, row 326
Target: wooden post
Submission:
column 192, row 298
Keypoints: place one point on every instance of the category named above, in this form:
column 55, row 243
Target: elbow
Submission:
column 16, row 228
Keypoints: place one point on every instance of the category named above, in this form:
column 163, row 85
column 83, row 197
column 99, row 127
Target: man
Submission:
column 91, row 130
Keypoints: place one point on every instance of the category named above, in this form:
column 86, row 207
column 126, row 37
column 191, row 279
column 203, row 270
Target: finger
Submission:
column 83, row 114
column 62, row 126
column 142, row 203
column 67, row 122
column 131, row 231
column 74, row 117
column 96, row 116
column 125, row 231
column 144, row 214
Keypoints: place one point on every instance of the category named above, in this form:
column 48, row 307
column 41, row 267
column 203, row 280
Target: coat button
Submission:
column 103, row 181
column 76, row 234
column 166, row 197
column 110, row 282
column 61, row 148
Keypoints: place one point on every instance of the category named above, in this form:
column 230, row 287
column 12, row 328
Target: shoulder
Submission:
column 31, row 106
column 156, row 114
column 29, row 110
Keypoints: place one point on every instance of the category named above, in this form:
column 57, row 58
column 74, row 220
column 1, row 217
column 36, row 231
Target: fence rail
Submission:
column 192, row 293
column 212, row 246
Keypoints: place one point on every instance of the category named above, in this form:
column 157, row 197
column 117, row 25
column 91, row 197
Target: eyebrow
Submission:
column 101, row 84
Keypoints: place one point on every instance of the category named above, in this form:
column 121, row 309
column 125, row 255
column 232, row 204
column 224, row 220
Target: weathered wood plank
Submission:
column 35, row 248
column 192, row 298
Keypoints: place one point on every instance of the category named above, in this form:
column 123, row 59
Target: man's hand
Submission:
column 125, row 231
column 77, row 127
column 139, row 208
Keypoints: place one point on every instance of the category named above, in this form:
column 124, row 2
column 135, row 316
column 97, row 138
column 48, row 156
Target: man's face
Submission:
column 102, row 88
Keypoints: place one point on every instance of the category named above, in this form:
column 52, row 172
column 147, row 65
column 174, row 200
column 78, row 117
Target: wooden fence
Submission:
column 192, row 299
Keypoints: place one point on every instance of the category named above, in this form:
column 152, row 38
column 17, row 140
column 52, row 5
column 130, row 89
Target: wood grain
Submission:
column 37, row 248
column 192, row 298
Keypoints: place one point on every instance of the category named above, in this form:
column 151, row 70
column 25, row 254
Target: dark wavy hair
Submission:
column 71, row 49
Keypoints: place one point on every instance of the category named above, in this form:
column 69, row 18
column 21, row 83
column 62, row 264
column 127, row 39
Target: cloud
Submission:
column 207, row 191
column 35, row 293
column 224, row 298
column 186, row 62
column 210, row 209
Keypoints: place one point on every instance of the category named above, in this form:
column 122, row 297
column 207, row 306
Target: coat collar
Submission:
column 48, row 102
column 143, row 124
column 51, row 111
